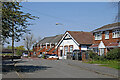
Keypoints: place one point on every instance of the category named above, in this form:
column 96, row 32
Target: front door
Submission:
column 102, row 52
column 61, row 52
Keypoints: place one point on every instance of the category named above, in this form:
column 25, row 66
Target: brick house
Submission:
column 46, row 45
column 73, row 40
column 105, row 38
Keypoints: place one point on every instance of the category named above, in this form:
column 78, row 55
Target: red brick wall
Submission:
column 45, row 50
column 105, row 41
column 58, row 51
column 51, row 51
column 30, row 54
column 48, row 47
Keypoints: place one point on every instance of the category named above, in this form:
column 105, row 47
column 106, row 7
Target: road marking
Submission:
column 17, row 73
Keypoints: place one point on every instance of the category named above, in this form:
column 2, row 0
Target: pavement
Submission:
column 41, row 68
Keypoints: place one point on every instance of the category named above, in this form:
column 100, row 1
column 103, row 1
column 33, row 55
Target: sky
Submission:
column 74, row 16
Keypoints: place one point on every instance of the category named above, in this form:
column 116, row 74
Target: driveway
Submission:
column 41, row 68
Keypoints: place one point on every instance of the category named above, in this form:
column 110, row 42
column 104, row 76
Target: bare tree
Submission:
column 29, row 40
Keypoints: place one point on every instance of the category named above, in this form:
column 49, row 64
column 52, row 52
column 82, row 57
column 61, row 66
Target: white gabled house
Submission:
column 73, row 40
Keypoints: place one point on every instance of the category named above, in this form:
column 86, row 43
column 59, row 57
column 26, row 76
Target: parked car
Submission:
column 53, row 56
column 40, row 56
column 47, row 56
column 25, row 55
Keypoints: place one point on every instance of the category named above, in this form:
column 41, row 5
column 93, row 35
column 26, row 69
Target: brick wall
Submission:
column 51, row 51
column 36, row 49
column 105, row 41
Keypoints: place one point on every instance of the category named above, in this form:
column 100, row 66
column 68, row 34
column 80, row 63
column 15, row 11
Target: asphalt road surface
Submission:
column 41, row 68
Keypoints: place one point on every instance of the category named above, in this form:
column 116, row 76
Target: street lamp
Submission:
column 63, row 42
column 59, row 24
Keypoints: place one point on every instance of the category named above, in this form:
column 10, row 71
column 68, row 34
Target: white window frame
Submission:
column 66, row 50
column 106, row 34
column 116, row 33
column 71, row 48
column 98, row 36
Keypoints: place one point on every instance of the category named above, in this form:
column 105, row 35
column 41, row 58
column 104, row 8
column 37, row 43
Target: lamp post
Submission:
column 59, row 24
column 63, row 42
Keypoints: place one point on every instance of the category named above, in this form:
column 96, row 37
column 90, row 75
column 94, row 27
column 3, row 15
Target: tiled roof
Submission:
column 53, row 39
column 94, row 46
column 50, row 49
column 82, row 37
column 109, row 26
column 41, row 49
column 108, row 45
column 113, row 45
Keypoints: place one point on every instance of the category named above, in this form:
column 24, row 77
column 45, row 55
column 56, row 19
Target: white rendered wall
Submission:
column 69, row 42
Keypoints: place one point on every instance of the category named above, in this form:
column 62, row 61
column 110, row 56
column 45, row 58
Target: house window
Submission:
column 96, row 50
column 43, row 52
column 116, row 33
column 34, row 53
column 98, row 36
column 71, row 48
column 66, row 50
column 106, row 34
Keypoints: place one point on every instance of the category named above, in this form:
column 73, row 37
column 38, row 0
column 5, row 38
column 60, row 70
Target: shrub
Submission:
column 93, row 55
column 43, row 56
column 113, row 54
column 18, row 52
column 102, row 58
column 69, row 52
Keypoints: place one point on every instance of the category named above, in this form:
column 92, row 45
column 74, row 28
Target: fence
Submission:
column 78, row 55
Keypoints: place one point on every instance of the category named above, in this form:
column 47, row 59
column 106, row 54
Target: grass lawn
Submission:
column 107, row 63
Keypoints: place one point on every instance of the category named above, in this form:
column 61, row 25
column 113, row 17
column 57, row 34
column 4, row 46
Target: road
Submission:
column 41, row 68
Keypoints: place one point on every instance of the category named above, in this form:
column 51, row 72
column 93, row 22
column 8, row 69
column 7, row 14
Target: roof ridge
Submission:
column 108, row 25
column 53, row 36
column 50, row 39
column 78, row 31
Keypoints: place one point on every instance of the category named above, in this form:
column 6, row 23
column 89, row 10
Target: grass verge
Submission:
column 107, row 63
